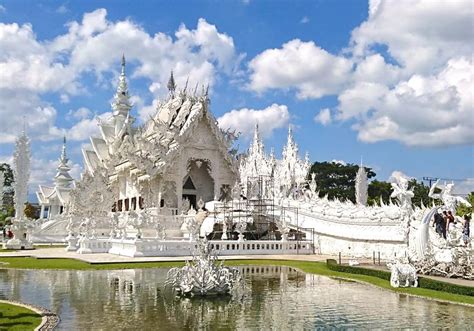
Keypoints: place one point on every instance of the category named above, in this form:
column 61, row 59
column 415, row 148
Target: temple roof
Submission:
column 152, row 147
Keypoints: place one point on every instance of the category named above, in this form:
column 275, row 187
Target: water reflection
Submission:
column 273, row 298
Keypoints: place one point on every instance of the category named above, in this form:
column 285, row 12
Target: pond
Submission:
column 274, row 298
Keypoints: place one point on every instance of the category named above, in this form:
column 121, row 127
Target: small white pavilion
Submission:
column 53, row 199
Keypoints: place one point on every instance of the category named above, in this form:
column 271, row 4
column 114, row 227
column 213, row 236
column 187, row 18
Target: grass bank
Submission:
column 13, row 317
column 319, row 268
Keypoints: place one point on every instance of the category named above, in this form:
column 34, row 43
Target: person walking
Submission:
column 438, row 223
column 445, row 223
column 466, row 229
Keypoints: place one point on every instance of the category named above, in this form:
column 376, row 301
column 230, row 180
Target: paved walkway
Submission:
column 60, row 253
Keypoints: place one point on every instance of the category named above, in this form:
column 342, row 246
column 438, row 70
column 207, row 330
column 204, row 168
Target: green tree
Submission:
column 7, row 209
column 337, row 180
column 379, row 189
column 463, row 209
column 30, row 210
column 420, row 191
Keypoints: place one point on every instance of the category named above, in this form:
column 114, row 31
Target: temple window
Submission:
column 127, row 204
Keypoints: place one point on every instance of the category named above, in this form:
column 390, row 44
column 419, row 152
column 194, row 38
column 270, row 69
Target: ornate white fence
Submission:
column 155, row 247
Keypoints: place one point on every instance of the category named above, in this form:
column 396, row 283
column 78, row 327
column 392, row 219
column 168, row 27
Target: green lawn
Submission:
column 318, row 268
column 13, row 317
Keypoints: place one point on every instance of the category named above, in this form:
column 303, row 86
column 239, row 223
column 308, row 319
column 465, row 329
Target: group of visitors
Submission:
column 445, row 222
column 6, row 232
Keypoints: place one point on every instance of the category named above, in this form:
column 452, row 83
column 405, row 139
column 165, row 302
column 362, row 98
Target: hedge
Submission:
column 423, row 282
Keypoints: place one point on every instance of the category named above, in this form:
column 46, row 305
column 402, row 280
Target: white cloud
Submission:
column 465, row 187
column 43, row 172
column 304, row 66
column 18, row 108
column 30, row 67
column 409, row 78
column 341, row 162
column 431, row 110
column 80, row 114
column 374, row 69
column 396, row 175
column 62, row 9
column 420, row 35
column 244, row 120
column 323, row 117
column 86, row 127
column 2, row 9
column 304, row 20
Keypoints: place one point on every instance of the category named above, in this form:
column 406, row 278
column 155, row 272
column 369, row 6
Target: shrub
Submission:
column 423, row 282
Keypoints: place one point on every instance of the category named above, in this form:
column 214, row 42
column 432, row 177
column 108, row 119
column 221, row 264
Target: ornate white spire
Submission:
column 291, row 170
column 121, row 104
column 361, row 186
column 63, row 179
column 21, row 172
column 255, row 163
column 256, row 147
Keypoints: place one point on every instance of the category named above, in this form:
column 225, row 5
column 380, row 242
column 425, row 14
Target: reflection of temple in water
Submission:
column 275, row 297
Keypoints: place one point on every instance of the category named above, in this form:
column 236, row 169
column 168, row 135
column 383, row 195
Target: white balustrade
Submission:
column 155, row 247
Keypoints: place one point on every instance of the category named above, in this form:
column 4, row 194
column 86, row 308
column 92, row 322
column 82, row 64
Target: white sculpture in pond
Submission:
column 402, row 275
column 203, row 275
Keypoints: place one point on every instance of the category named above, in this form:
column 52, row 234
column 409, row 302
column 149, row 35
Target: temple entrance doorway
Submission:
column 198, row 183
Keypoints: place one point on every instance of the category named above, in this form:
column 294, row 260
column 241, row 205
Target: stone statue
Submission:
column 450, row 201
column 403, row 274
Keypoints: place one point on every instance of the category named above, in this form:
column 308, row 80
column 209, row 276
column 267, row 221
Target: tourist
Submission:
column 466, row 229
column 445, row 223
column 439, row 225
column 451, row 221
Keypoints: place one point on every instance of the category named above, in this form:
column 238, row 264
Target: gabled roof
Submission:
column 46, row 194
column 100, row 148
column 91, row 160
column 159, row 141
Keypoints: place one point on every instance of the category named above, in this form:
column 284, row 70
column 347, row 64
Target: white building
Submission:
column 53, row 199
column 178, row 154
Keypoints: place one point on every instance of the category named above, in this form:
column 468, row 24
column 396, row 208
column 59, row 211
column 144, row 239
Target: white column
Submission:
column 42, row 211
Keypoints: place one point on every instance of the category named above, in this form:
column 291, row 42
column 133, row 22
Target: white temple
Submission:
column 179, row 153
column 53, row 199
column 153, row 189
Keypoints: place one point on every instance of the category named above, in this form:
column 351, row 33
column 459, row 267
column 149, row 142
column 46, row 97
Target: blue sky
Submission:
column 383, row 82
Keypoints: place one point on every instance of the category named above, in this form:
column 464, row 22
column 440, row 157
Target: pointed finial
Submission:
column 123, row 64
column 206, row 94
column 171, row 83
column 64, row 140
